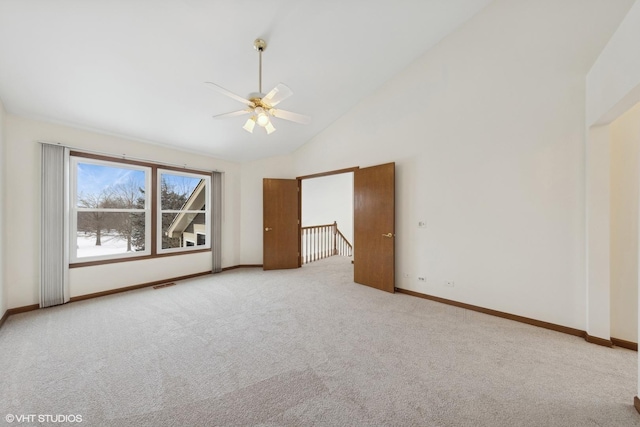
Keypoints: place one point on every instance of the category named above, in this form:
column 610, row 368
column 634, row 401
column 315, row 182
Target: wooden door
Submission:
column 374, row 226
column 280, row 226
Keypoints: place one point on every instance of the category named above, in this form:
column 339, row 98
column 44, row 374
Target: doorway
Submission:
column 327, row 217
column 373, row 224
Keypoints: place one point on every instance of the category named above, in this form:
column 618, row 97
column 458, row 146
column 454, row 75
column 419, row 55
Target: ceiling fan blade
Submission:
column 277, row 95
column 232, row 114
column 288, row 115
column 229, row 94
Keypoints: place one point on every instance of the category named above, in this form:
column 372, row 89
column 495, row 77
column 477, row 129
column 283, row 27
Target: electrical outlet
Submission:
column 422, row 224
column 422, row 279
column 450, row 283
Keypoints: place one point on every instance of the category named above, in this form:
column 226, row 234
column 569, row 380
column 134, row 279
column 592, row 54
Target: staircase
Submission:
column 323, row 241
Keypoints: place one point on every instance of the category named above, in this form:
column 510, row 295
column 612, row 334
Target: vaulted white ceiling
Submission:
column 136, row 68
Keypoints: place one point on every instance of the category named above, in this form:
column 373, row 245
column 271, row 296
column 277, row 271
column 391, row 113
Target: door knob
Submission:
column 268, row 229
column 387, row 235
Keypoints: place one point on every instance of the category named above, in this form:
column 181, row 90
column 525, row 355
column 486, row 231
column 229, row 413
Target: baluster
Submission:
column 315, row 241
column 309, row 241
column 309, row 245
column 324, row 242
column 327, row 235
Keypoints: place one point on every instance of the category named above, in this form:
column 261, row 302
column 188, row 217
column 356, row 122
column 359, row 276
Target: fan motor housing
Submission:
column 255, row 95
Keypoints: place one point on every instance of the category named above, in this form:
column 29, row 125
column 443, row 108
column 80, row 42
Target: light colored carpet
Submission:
column 298, row 348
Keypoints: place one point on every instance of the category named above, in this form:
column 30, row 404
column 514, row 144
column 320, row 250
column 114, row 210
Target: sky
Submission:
column 93, row 178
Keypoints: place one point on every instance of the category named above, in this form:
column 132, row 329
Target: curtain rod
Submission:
column 125, row 157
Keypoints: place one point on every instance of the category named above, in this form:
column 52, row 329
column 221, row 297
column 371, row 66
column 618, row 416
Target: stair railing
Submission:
column 323, row 241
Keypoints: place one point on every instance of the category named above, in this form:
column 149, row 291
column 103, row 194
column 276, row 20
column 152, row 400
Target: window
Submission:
column 183, row 213
column 110, row 210
column 125, row 209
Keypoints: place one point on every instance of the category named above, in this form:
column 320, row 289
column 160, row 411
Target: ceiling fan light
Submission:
column 261, row 117
column 263, row 120
column 269, row 128
column 250, row 124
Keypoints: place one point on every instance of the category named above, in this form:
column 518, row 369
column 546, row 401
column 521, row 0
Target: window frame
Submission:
column 74, row 209
column 154, row 196
column 207, row 212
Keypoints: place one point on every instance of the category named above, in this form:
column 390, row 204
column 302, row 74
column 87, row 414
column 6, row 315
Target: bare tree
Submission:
column 128, row 195
column 94, row 222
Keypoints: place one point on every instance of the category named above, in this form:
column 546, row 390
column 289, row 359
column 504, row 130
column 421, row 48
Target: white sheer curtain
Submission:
column 216, row 221
column 54, row 267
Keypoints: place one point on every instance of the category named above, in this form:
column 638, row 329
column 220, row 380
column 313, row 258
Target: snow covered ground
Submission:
column 111, row 244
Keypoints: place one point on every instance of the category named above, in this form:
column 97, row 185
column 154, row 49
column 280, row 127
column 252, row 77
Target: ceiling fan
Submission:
column 259, row 105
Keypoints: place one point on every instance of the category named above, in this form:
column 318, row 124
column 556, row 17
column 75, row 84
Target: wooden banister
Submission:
column 323, row 241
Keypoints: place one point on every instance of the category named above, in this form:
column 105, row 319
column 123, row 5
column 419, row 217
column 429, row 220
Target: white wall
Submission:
column 487, row 132
column 327, row 199
column 22, row 211
column 612, row 88
column 613, row 83
column 3, row 298
column 625, row 201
